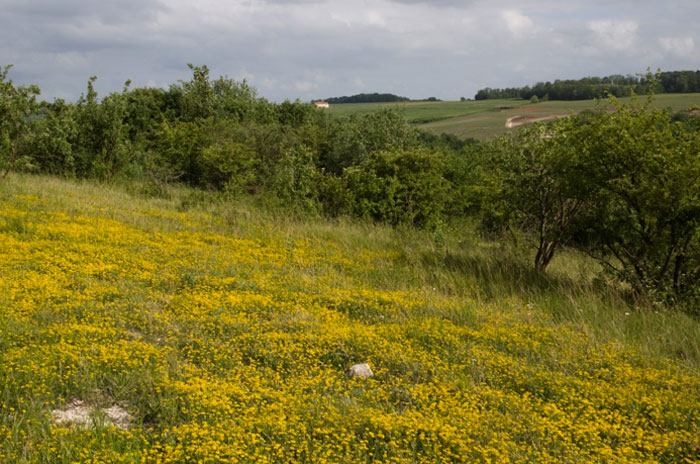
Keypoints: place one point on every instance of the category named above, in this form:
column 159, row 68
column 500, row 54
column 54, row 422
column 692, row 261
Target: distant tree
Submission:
column 367, row 98
column 600, row 87
column 482, row 94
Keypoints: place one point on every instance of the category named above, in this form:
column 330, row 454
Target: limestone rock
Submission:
column 360, row 371
column 74, row 412
column 80, row 414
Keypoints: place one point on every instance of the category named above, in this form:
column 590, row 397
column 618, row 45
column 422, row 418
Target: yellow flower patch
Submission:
column 229, row 348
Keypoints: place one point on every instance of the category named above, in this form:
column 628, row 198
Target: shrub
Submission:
column 18, row 110
column 535, row 180
column 294, row 180
column 102, row 146
column 646, row 224
column 228, row 165
column 177, row 147
column 354, row 139
column 404, row 187
column 51, row 141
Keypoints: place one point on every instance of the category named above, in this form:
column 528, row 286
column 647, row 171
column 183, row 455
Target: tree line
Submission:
column 589, row 88
column 367, row 98
column 621, row 183
column 374, row 98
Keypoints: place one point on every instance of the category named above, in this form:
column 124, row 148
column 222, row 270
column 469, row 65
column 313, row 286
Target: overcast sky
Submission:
column 321, row 48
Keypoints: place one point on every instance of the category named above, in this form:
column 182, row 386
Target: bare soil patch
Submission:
column 517, row 121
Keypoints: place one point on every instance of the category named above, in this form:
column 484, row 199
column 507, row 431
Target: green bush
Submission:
column 294, row 179
column 646, row 224
column 18, row 110
column 403, row 187
column 51, row 141
column 177, row 147
column 228, row 165
column 334, row 196
column 354, row 139
column 535, row 180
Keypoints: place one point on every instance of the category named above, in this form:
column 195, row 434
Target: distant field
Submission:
column 487, row 118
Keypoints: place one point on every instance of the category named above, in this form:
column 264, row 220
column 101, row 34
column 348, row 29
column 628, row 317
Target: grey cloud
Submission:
column 320, row 48
column 112, row 12
column 438, row 3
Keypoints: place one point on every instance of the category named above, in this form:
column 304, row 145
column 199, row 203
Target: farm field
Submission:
column 487, row 118
column 221, row 333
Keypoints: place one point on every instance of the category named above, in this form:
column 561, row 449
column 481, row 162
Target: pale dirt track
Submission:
column 517, row 121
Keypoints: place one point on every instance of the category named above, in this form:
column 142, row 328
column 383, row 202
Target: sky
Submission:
column 311, row 49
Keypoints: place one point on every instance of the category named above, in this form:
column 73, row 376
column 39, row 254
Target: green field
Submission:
column 487, row 118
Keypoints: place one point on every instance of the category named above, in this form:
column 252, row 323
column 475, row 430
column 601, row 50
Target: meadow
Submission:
column 225, row 328
column 485, row 119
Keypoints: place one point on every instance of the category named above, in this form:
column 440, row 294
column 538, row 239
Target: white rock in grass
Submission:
column 78, row 413
column 75, row 412
column 361, row 371
column 119, row 417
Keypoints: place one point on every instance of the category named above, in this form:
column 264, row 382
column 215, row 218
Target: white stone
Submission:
column 118, row 416
column 75, row 412
column 78, row 413
column 361, row 371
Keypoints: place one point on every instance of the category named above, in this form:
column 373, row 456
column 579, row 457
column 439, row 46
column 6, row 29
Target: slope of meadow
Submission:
column 225, row 333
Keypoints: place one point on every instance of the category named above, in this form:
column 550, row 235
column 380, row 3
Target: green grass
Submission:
column 487, row 118
column 425, row 112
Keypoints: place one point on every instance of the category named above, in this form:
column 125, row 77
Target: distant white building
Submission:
column 322, row 104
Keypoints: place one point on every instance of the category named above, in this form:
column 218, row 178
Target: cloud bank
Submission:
column 319, row 48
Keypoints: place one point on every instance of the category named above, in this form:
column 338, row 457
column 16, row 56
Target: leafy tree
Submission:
column 146, row 108
column 19, row 111
column 197, row 97
column 53, row 136
column 354, row 139
column 535, row 181
column 102, row 145
column 646, row 225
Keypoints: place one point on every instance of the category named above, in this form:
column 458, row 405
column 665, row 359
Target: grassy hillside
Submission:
column 225, row 332
column 487, row 118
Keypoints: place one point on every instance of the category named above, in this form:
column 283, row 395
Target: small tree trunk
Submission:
column 14, row 158
column 10, row 164
column 544, row 255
